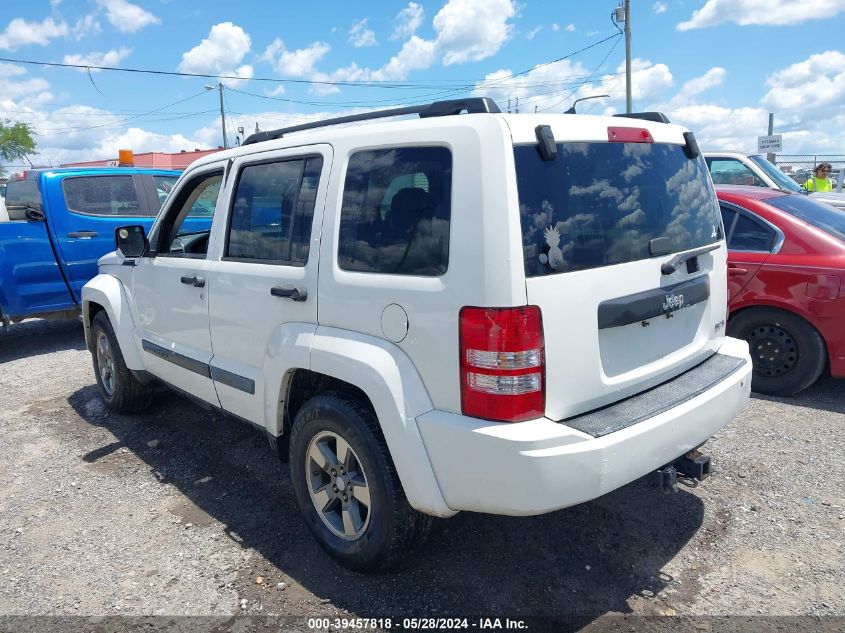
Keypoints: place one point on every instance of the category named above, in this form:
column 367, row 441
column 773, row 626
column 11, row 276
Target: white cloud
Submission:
column 659, row 7
column 127, row 17
column 219, row 53
column 19, row 33
column 408, row 21
column 761, row 12
column 570, row 28
column 18, row 88
column 472, row 30
column 648, row 80
column 549, row 86
column 360, row 36
column 87, row 25
column 815, row 86
column 530, row 35
column 555, row 26
column 416, row 54
column 109, row 58
column 299, row 63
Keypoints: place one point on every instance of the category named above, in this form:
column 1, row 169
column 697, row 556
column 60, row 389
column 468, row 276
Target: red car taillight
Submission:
column 502, row 364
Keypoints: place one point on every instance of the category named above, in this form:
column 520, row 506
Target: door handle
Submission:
column 734, row 270
column 83, row 234
column 288, row 292
column 196, row 282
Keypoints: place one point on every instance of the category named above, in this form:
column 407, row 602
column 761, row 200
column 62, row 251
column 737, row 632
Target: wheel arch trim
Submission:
column 107, row 291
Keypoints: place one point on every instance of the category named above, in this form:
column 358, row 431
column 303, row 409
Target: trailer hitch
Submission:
column 689, row 469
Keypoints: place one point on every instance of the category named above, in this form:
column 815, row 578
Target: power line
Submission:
column 117, row 123
column 363, row 83
column 595, row 70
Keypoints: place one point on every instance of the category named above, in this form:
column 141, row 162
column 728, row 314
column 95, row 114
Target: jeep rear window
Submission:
column 599, row 204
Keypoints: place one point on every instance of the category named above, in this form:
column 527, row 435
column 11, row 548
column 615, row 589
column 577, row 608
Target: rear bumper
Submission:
column 541, row 465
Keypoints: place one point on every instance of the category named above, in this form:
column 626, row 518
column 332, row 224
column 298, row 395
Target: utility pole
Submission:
column 220, row 87
column 628, row 101
column 770, row 156
column 622, row 13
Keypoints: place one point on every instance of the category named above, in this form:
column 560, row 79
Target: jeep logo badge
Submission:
column 673, row 302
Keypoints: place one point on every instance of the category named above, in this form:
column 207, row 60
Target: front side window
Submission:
column 272, row 211
column 102, row 195
column 729, row 171
column 396, row 212
column 183, row 234
column 600, row 204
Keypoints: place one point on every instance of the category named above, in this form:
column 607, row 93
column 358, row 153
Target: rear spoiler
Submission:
column 691, row 148
column 657, row 117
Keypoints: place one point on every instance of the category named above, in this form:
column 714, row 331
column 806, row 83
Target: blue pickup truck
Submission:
column 60, row 222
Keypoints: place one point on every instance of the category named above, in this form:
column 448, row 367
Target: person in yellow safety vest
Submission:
column 819, row 181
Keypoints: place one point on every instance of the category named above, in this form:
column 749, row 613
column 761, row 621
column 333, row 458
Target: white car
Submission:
column 739, row 168
column 463, row 312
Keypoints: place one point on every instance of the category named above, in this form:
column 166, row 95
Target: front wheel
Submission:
column 120, row 390
column 787, row 352
column 347, row 488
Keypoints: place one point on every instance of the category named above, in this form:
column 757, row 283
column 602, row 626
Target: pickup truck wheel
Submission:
column 787, row 352
column 347, row 487
column 119, row 389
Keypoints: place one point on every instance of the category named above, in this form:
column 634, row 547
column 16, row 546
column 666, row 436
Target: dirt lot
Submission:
column 179, row 511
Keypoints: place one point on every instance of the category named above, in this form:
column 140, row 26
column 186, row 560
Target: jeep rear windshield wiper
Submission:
column 672, row 265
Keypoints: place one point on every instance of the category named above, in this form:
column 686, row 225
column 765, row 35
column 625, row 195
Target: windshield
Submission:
column 781, row 179
column 599, row 204
column 817, row 214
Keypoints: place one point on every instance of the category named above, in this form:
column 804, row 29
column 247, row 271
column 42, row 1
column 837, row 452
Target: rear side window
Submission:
column 748, row 235
column 272, row 211
column 102, row 195
column 396, row 212
column 21, row 194
column 599, row 204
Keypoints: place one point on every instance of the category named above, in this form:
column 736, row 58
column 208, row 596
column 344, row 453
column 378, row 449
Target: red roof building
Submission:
column 163, row 160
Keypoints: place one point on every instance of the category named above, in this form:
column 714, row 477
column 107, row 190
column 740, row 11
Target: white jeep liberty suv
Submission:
column 468, row 310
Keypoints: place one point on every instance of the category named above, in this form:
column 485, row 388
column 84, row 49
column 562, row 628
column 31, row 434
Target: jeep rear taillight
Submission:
column 502, row 364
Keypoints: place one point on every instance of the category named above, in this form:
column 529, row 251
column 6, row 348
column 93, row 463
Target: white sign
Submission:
column 770, row 144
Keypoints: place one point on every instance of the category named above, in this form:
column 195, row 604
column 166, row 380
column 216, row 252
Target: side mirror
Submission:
column 35, row 214
column 131, row 240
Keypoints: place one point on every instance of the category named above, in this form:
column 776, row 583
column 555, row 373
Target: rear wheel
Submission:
column 788, row 353
column 120, row 390
column 347, row 488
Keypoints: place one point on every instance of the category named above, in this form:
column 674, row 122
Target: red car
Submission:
column 786, row 285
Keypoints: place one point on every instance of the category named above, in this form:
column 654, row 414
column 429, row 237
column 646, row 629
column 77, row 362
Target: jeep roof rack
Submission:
column 657, row 117
column 473, row 105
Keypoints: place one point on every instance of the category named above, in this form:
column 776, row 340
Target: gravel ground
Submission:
column 179, row 511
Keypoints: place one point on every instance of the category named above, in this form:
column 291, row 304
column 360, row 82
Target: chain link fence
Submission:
column 799, row 167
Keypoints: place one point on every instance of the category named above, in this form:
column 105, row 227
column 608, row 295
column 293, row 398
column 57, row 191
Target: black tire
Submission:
column 393, row 528
column 126, row 394
column 788, row 353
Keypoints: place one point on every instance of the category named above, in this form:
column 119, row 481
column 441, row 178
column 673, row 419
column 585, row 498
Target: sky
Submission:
column 716, row 66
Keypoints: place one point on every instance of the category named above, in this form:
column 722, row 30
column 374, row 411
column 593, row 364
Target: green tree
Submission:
column 16, row 142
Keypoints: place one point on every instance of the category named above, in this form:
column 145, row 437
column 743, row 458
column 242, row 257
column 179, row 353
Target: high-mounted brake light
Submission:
column 502, row 363
column 629, row 135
